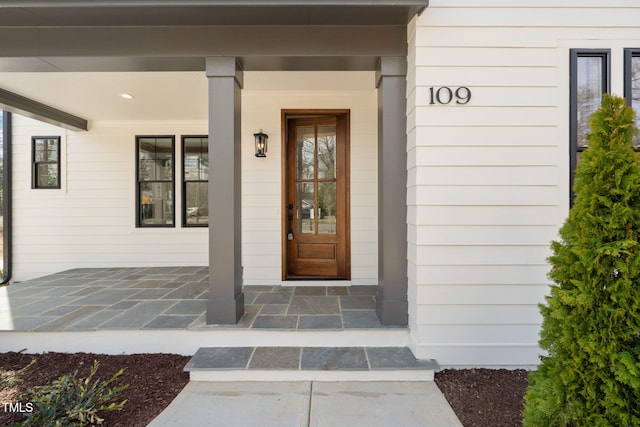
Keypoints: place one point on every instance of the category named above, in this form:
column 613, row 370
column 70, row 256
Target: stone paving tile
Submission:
column 272, row 298
column 150, row 294
column 82, row 292
column 106, row 297
column 138, row 316
column 275, row 322
column 274, row 309
column 42, row 305
column 320, row 322
column 363, row 290
column 59, row 291
column 250, row 297
column 314, row 305
column 61, row 310
column 150, row 283
column 320, row 291
column 330, row 358
column 191, row 307
column 17, row 302
column 24, row 323
column 259, row 288
column 357, row 302
column 221, row 358
column 17, row 291
column 123, row 305
column 337, row 290
column 68, row 319
column 360, row 319
column 170, row 322
column 395, row 358
column 93, row 321
column 66, row 281
column 276, row 358
column 190, row 290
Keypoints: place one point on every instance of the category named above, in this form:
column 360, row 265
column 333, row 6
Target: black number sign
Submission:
column 445, row 95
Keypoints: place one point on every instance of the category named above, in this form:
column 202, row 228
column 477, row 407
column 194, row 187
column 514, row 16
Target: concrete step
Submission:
column 309, row 364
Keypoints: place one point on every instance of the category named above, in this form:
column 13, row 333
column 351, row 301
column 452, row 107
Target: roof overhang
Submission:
column 207, row 12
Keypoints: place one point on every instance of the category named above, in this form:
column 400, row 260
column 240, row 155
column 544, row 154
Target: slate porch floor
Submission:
column 173, row 298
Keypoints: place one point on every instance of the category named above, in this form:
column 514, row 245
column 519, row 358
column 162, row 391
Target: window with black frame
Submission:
column 195, row 181
column 155, row 181
column 632, row 86
column 45, row 152
column 589, row 70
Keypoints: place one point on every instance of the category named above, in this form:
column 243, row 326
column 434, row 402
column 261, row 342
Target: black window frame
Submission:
column 574, row 54
column 184, row 180
column 629, row 54
column 139, row 223
column 35, row 163
column 7, row 217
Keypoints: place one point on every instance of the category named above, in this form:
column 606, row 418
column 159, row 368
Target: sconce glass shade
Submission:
column 261, row 143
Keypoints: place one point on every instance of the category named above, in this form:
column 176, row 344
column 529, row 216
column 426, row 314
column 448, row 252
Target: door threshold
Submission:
column 315, row 282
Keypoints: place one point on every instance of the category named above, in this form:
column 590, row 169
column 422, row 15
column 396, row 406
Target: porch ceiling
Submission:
column 57, row 51
column 161, row 95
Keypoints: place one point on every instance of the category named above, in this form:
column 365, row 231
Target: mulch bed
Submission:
column 485, row 397
column 480, row 397
column 154, row 381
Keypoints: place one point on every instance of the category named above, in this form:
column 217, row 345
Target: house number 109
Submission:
column 445, row 95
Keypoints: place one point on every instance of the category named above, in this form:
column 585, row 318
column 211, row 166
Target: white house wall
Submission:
column 488, row 183
column 262, row 177
column 90, row 221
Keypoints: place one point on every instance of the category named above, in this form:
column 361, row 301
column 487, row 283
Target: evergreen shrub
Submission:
column 590, row 375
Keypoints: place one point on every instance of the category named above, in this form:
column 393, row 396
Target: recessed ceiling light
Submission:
column 126, row 96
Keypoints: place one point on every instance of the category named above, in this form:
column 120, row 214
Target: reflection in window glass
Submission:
column 327, row 207
column 155, row 181
column 326, row 152
column 305, row 153
column 589, row 91
column 195, row 169
column 305, row 207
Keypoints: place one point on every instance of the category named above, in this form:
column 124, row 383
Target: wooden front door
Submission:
column 316, row 218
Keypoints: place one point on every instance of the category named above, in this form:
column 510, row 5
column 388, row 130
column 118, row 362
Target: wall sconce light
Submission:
column 261, row 143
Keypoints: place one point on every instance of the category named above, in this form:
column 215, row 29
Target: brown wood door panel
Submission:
column 316, row 235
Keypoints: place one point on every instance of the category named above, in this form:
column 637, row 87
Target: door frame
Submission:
column 301, row 113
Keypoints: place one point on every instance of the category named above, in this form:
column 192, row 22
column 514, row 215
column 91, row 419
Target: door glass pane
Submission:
column 305, row 207
column 327, row 207
column 197, row 199
column 590, row 89
column 305, row 152
column 326, row 152
column 156, row 203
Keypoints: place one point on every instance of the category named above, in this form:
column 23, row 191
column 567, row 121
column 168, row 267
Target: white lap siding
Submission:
column 488, row 183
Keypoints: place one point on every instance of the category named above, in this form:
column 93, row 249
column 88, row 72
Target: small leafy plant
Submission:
column 70, row 401
column 13, row 378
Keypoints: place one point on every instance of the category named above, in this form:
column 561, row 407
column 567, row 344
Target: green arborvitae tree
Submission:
column 591, row 320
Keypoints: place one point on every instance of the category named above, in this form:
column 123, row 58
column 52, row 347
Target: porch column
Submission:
column 392, row 303
column 226, row 300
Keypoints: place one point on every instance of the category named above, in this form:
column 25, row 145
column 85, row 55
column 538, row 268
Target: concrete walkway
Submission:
column 330, row 404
